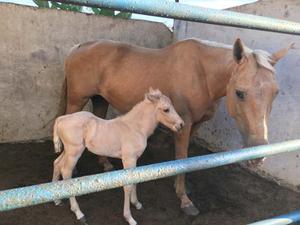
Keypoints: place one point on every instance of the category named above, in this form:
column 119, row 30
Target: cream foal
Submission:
column 124, row 137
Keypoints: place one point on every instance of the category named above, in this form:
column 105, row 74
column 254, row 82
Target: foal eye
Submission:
column 166, row 110
column 240, row 94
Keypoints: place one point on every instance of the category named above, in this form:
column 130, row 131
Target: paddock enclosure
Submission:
column 34, row 45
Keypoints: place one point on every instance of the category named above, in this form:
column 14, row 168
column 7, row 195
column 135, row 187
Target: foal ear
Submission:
column 239, row 53
column 151, row 89
column 276, row 56
column 153, row 95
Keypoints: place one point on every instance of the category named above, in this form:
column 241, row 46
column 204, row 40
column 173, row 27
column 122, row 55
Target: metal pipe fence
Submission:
column 42, row 193
column 37, row 194
column 164, row 8
column 290, row 218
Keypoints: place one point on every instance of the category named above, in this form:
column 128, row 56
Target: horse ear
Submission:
column 276, row 56
column 239, row 53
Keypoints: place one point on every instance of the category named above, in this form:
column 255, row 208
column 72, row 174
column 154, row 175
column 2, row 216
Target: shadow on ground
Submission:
column 227, row 195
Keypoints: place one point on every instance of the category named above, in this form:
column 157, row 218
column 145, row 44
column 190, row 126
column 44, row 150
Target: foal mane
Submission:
column 263, row 58
column 136, row 109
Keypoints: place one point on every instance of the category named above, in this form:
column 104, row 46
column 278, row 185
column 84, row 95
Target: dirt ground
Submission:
column 227, row 195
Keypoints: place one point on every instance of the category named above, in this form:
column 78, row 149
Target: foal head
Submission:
column 164, row 110
column 251, row 92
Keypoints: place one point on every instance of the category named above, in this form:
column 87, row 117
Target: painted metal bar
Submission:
column 169, row 9
column 37, row 194
column 289, row 218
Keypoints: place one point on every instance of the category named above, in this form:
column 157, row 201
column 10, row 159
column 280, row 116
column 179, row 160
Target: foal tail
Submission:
column 56, row 139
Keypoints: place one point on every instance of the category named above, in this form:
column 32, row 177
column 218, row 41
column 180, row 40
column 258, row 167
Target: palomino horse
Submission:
column 124, row 137
column 195, row 74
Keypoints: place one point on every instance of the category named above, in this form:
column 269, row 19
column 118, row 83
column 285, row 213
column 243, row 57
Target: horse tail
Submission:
column 63, row 99
column 56, row 139
column 62, row 103
column 63, row 93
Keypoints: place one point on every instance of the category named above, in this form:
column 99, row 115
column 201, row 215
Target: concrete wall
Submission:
column 220, row 133
column 34, row 43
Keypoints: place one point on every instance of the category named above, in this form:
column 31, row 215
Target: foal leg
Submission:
column 69, row 164
column 128, row 163
column 181, row 152
column 57, row 172
column 100, row 106
column 75, row 103
column 134, row 200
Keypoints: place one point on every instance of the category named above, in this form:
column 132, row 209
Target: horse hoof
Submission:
column 108, row 167
column 82, row 221
column 255, row 163
column 75, row 172
column 190, row 210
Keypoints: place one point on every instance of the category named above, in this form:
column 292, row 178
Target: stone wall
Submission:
column 34, row 43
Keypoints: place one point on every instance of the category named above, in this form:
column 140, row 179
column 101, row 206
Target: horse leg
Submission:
column 100, row 106
column 128, row 163
column 181, row 152
column 66, row 171
column 75, row 103
column 194, row 128
column 57, row 172
column 107, row 166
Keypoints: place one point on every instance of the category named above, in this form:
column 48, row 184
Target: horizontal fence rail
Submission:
column 180, row 11
column 290, row 218
column 37, row 194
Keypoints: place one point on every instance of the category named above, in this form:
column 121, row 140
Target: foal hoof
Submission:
column 190, row 210
column 139, row 206
column 58, row 202
column 82, row 221
column 131, row 221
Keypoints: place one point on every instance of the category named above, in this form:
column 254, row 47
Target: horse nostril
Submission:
column 181, row 125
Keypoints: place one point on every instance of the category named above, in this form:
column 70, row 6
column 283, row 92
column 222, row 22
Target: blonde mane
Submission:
column 262, row 57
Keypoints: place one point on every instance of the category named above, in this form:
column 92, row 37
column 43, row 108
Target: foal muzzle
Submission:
column 178, row 126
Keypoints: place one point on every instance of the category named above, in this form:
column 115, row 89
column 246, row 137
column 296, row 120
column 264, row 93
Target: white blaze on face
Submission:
column 265, row 128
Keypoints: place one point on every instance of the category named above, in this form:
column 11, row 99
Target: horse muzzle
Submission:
column 254, row 163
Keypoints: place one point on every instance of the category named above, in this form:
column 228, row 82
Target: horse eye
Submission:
column 166, row 110
column 240, row 94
